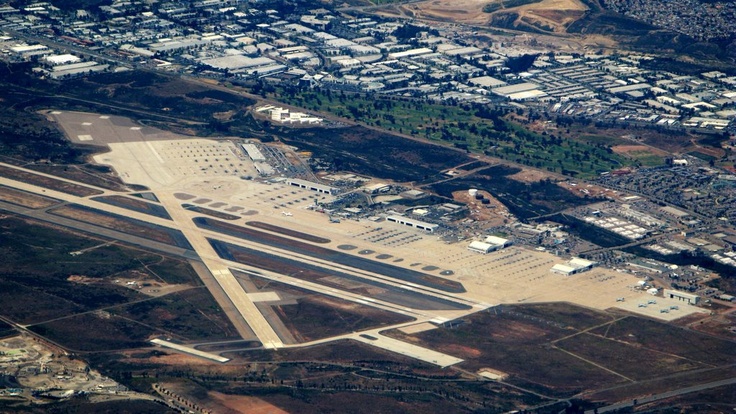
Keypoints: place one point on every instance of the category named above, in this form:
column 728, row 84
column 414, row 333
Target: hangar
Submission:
column 689, row 298
column 320, row 188
column 574, row 266
column 430, row 227
column 490, row 244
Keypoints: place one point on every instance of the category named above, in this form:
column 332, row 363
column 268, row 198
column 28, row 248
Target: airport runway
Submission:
column 220, row 271
column 223, row 285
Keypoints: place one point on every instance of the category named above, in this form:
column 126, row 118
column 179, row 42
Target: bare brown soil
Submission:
column 493, row 214
column 634, row 149
column 531, row 176
column 553, row 14
column 243, row 404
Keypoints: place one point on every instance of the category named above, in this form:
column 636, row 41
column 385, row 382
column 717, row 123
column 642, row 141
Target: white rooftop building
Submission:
column 574, row 266
column 54, row 60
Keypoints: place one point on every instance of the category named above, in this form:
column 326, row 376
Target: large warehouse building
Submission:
column 688, row 298
column 574, row 266
column 490, row 244
column 430, row 227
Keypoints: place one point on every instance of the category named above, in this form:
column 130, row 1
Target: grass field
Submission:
column 666, row 383
column 463, row 127
column 173, row 271
column 48, row 182
column 134, row 204
column 91, row 174
column 123, row 224
column 713, row 401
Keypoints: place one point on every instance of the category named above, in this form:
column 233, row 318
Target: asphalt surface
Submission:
column 664, row 395
column 388, row 293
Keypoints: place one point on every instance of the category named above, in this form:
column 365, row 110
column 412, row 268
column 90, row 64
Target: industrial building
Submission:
column 253, row 152
column 490, row 244
column 376, row 188
column 480, row 247
column 520, row 91
column 72, row 69
column 264, row 169
column 320, row 188
column 286, row 116
column 689, row 298
column 574, row 266
column 499, row 242
column 430, row 227
column 413, row 194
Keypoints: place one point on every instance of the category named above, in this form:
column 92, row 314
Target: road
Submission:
column 624, row 246
column 664, row 395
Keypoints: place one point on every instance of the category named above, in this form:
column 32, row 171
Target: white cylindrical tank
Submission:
column 472, row 192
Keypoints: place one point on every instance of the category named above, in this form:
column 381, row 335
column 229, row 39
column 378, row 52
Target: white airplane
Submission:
column 286, row 213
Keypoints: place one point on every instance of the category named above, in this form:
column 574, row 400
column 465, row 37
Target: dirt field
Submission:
column 553, row 14
column 462, row 11
column 493, row 214
column 645, row 155
column 243, row 404
column 530, row 176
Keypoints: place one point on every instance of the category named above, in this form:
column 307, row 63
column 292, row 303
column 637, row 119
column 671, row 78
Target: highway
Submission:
column 664, row 395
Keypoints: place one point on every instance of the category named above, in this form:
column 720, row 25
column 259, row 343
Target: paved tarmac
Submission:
column 404, row 348
column 210, row 172
column 220, row 271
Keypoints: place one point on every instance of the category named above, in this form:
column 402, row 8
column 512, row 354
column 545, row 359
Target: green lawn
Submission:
column 473, row 128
